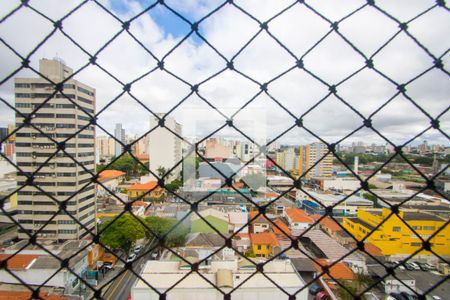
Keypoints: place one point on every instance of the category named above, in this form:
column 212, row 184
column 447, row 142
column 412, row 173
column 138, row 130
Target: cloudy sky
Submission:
column 263, row 60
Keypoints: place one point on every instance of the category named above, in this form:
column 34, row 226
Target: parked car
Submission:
column 108, row 265
column 415, row 266
column 131, row 258
column 430, row 267
column 436, row 297
column 398, row 296
column 321, row 296
column 315, row 288
column 423, row 266
column 409, row 267
column 397, row 263
column 407, row 296
column 138, row 249
column 154, row 255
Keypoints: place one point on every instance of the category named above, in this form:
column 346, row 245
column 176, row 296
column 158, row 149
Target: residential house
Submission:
column 145, row 191
column 259, row 223
column 109, row 182
column 236, row 221
column 264, row 244
column 298, row 219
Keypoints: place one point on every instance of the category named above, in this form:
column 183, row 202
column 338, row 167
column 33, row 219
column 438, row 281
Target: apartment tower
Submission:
column 165, row 147
column 62, row 120
column 119, row 134
column 308, row 157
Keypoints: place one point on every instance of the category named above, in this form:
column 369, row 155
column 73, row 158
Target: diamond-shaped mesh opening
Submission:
column 274, row 149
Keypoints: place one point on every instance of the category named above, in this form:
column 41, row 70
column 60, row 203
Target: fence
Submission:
column 436, row 63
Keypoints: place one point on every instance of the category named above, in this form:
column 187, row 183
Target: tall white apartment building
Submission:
column 119, row 134
column 59, row 119
column 164, row 147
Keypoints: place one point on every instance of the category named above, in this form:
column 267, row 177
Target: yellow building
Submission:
column 394, row 237
column 264, row 244
column 138, row 189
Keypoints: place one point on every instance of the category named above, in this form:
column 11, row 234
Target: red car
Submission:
column 321, row 296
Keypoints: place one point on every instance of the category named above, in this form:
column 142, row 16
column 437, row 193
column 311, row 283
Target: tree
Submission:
column 372, row 198
column 162, row 226
column 174, row 185
column 161, row 171
column 122, row 233
column 126, row 163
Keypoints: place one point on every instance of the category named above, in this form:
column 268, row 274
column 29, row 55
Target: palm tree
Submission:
column 161, row 171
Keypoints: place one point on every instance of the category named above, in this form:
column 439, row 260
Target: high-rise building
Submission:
column 309, row 155
column 119, row 134
column 289, row 159
column 165, row 147
column 105, row 147
column 62, row 120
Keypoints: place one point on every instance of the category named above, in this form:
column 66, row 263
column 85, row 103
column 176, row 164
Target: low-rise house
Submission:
column 259, row 223
column 297, row 219
column 35, row 269
column 236, row 221
column 402, row 282
column 110, row 181
column 149, row 191
column 265, row 244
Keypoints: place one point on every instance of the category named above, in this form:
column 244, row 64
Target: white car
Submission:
column 131, row 258
column 436, row 297
column 138, row 249
column 415, row 266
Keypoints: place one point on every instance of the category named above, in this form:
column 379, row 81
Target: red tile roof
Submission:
column 337, row 271
column 141, row 203
column 264, row 238
column 110, row 174
column 26, row 295
column 331, row 224
column 18, row 261
column 260, row 219
column 284, row 227
column 299, row 216
column 373, row 250
column 143, row 186
column 142, row 157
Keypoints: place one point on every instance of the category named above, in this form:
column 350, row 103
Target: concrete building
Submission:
column 226, row 275
column 395, row 237
column 308, row 157
column 58, row 118
column 36, row 266
column 314, row 202
column 289, row 159
column 165, row 147
column 216, row 148
column 119, row 134
column 105, row 147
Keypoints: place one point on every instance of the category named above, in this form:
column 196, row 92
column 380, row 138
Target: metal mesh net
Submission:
column 296, row 62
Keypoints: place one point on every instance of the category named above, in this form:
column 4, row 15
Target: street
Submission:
column 120, row 288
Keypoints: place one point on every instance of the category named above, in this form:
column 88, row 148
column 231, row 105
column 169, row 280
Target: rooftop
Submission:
column 337, row 271
column 164, row 274
column 264, row 238
column 143, row 186
column 299, row 216
column 19, row 261
column 110, row 174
